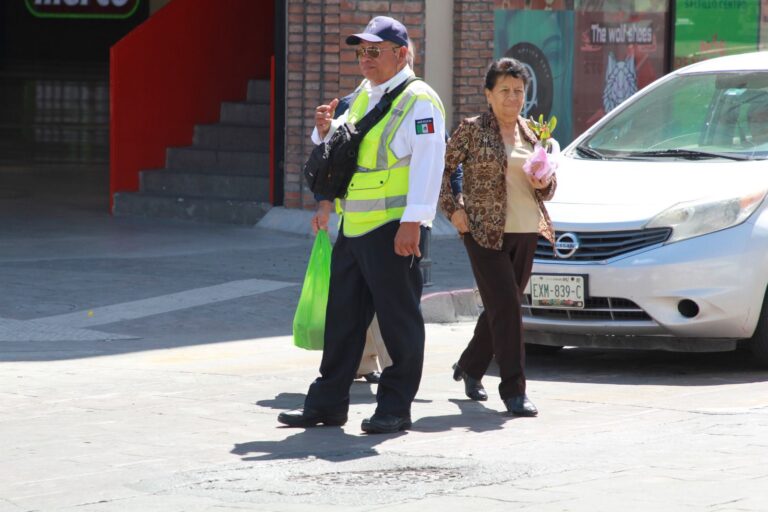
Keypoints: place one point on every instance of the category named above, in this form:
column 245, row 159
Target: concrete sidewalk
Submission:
column 194, row 428
column 143, row 365
column 81, row 276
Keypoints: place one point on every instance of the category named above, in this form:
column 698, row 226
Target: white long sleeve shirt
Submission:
column 425, row 144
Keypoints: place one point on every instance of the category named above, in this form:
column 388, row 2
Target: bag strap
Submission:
column 382, row 107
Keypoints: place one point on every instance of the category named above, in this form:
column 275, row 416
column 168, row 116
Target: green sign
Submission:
column 712, row 28
column 82, row 9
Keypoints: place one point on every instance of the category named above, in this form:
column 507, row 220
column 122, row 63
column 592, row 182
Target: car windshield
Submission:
column 698, row 116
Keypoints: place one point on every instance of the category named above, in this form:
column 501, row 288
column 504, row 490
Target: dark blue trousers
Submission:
column 366, row 277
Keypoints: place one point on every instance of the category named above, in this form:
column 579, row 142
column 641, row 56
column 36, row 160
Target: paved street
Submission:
column 143, row 364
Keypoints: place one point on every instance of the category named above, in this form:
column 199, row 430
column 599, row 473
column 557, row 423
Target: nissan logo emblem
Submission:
column 566, row 245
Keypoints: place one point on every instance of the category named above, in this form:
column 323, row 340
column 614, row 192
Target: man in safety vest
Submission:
column 375, row 261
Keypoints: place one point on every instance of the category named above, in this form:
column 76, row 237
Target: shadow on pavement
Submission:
column 334, row 444
column 328, row 443
column 359, row 393
column 472, row 416
column 631, row 367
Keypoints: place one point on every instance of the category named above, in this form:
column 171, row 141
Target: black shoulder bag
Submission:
column 331, row 164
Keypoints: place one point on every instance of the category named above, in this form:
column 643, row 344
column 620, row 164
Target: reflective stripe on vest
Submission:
column 378, row 191
column 382, row 203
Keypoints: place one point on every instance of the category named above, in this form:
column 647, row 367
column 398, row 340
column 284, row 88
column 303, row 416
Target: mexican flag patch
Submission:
column 425, row 126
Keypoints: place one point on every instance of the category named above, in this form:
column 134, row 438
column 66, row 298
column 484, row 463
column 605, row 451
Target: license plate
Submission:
column 557, row 291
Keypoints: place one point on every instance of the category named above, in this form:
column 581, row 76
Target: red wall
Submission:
column 173, row 72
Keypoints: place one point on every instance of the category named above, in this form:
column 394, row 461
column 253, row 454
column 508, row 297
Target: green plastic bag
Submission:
column 309, row 320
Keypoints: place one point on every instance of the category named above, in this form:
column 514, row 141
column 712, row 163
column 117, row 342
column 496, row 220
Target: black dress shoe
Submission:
column 520, row 406
column 306, row 418
column 472, row 387
column 385, row 424
column 371, row 378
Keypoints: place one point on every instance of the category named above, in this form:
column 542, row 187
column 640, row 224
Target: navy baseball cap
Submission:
column 382, row 28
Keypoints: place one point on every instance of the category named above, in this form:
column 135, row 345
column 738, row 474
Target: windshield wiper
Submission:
column 689, row 154
column 588, row 151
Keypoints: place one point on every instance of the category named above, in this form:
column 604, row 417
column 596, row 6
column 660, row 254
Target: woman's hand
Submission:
column 460, row 221
column 539, row 184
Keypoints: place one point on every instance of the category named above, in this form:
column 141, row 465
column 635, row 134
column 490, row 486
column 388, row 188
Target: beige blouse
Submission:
column 523, row 215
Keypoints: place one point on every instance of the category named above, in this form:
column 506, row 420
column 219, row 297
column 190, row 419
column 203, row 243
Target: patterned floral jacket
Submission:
column 477, row 145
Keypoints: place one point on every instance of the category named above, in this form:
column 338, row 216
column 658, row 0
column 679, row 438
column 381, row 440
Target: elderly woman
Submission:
column 500, row 216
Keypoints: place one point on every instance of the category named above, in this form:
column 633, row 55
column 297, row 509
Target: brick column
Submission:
column 472, row 53
column 320, row 67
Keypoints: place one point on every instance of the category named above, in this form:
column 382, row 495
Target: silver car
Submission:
column 661, row 220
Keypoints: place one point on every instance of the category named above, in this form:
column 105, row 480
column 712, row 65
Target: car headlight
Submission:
column 696, row 218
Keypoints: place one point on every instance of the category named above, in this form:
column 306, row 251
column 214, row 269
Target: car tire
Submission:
column 758, row 344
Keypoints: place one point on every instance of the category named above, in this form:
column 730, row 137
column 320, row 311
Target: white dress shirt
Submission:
column 427, row 150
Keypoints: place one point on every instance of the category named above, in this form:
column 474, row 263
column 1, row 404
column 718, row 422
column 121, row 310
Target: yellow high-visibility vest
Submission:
column 379, row 188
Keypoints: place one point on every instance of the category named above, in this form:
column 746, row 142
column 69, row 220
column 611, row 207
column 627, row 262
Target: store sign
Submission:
column 114, row 9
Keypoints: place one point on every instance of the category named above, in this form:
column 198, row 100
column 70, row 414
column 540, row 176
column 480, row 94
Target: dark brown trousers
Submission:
column 501, row 277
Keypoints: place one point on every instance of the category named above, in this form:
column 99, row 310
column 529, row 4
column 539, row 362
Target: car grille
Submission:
column 598, row 246
column 610, row 309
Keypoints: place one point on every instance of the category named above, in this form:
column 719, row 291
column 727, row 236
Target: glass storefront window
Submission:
column 585, row 56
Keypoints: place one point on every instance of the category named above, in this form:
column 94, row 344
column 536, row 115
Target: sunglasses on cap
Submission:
column 372, row 51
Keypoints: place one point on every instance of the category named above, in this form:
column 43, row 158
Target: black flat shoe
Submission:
column 520, row 406
column 305, row 418
column 371, row 378
column 385, row 424
column 472, row 387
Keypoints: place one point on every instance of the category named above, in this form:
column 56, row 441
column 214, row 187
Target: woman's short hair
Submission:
column 506, row 66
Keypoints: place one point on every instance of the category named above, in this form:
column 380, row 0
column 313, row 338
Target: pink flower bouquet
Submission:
column 541, row 165
column 543, row 162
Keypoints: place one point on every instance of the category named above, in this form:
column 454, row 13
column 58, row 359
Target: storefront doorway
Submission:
column 54, row 97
